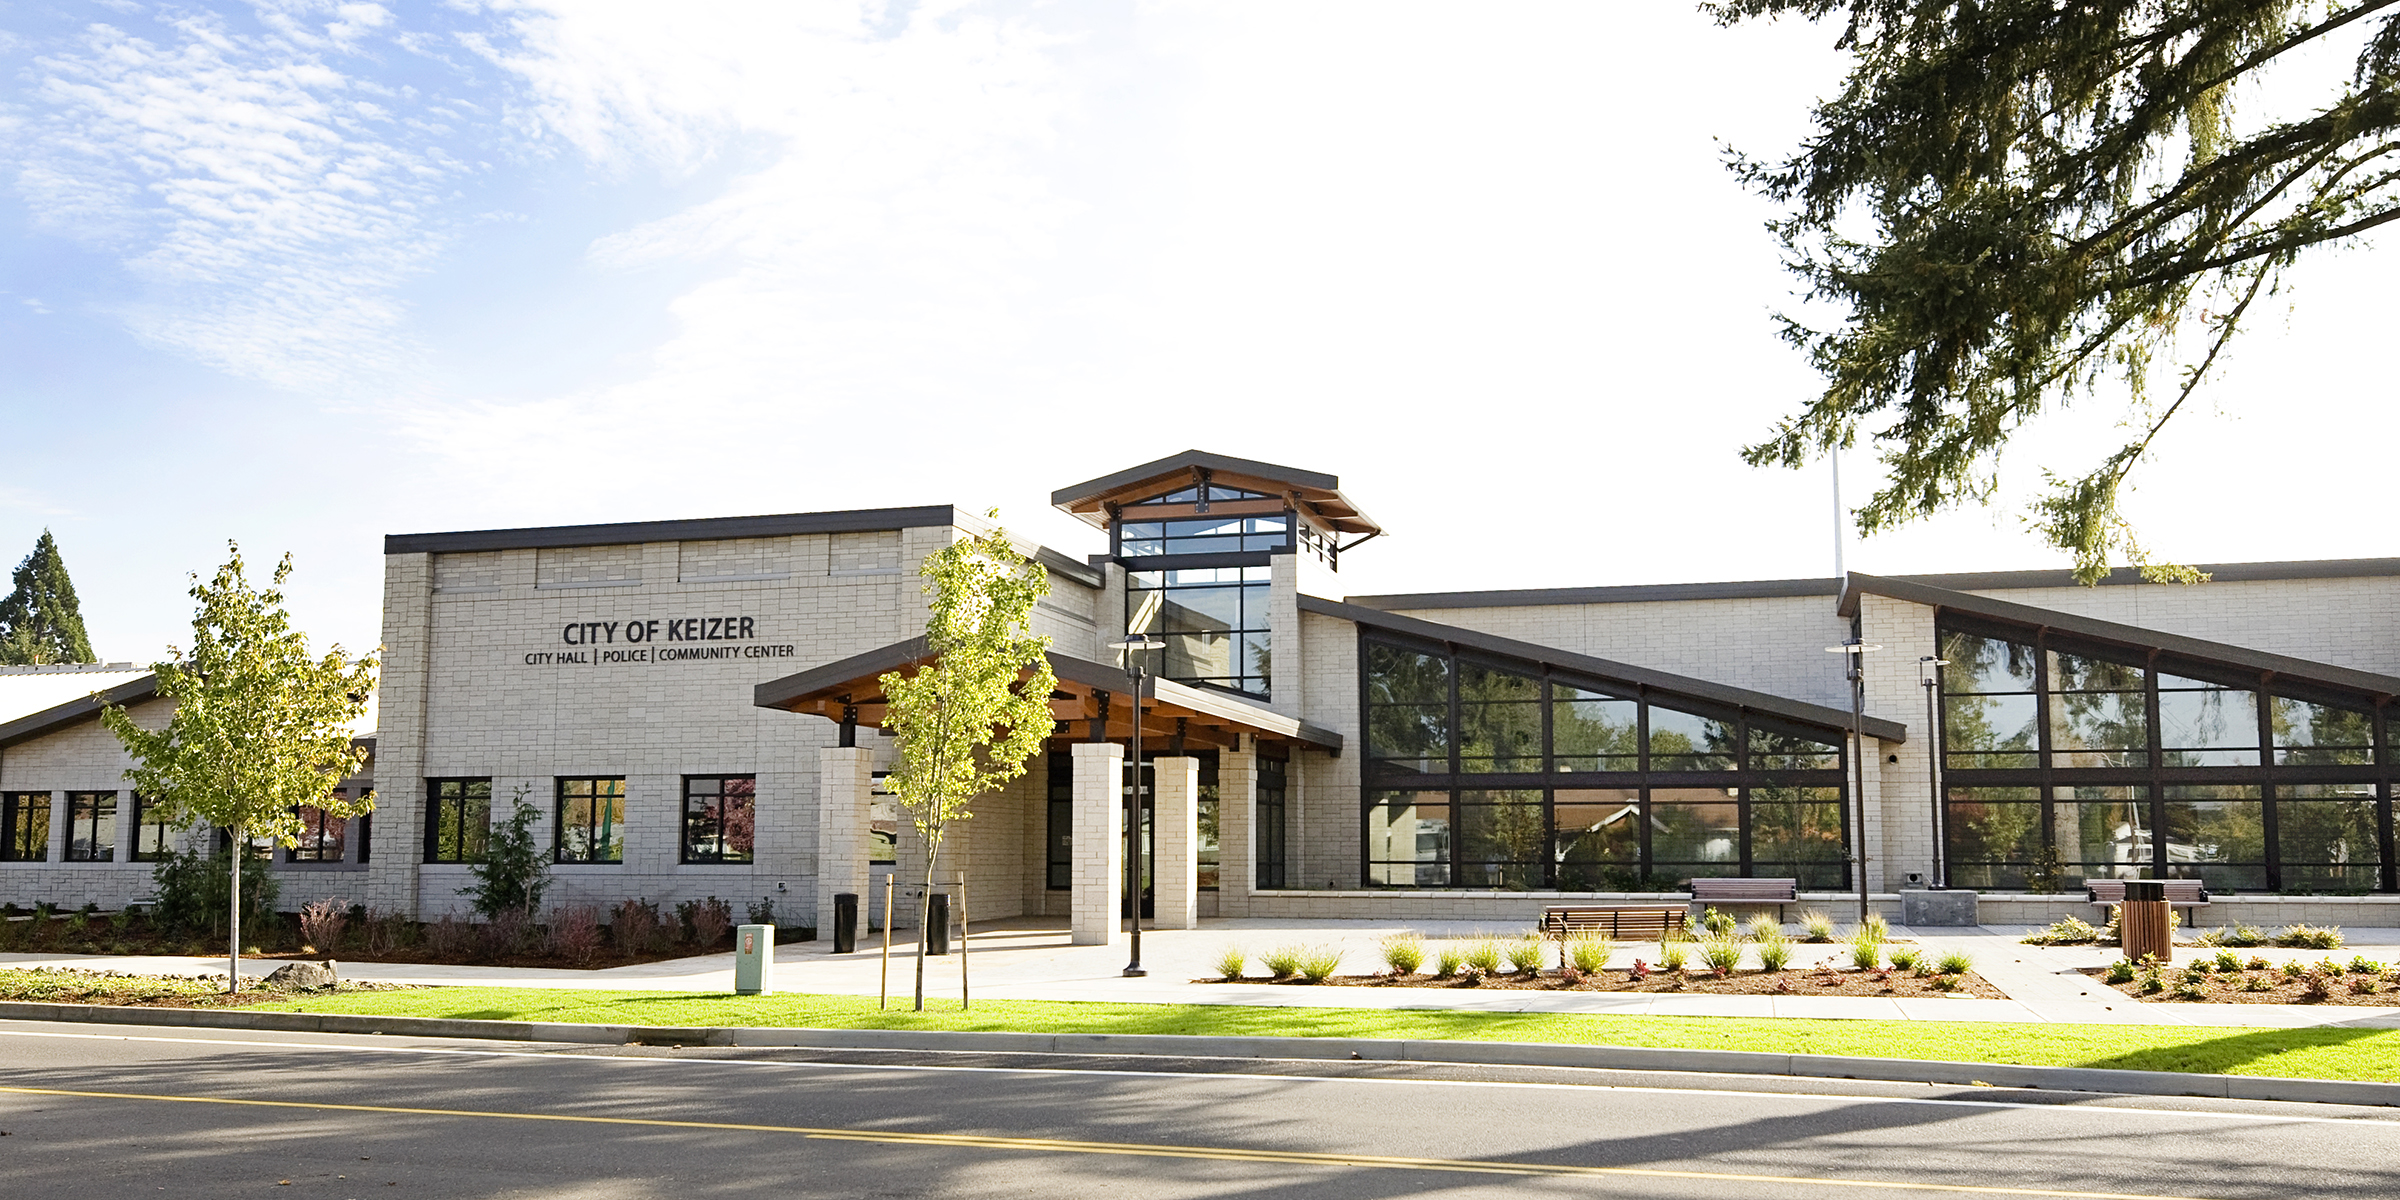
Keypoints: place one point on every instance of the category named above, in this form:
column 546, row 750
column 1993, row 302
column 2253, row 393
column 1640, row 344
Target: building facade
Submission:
column 691, row 709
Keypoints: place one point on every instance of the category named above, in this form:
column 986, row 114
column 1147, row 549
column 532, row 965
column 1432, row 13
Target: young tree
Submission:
column 2014, row 203
column 259, row 728
column 40, row 622
column 964, row 723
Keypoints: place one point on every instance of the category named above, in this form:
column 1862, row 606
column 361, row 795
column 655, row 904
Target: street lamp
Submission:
column 1857, row 649
column 1133, row 647
column 1929, row 673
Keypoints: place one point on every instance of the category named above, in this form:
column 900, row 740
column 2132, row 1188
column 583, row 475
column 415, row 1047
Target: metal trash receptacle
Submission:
column 845, row 922
column 754, row 960
column 937, row 923
column 2144, row 922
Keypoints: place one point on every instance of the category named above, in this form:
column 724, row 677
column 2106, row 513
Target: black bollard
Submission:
column 937, row 928
column 845, row 922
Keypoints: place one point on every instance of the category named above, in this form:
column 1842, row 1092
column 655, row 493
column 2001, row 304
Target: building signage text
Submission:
column 592, row 643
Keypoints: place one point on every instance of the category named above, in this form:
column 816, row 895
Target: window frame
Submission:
column 685, row 853
column 558, row 820
column 17, row 843
column 435, row 802
column 87, row 806
column 143, row 806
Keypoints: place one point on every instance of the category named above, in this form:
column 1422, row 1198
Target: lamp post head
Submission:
column 1927, row 665
column 1133, row 646
column 1852, row 646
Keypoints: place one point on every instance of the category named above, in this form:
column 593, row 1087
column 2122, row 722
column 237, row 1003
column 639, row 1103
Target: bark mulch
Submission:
column 2325, row 984
column 1815, row 981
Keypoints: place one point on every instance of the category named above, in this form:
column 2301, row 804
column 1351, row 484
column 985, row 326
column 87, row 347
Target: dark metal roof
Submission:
column 1584, row 664
column 2322, row 568
column 1318, row 494
column 76, row 711
column 2111, row 631
column 859, row 671
column 1625, row 594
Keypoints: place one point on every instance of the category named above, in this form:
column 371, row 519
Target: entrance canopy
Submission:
column 1093, row 702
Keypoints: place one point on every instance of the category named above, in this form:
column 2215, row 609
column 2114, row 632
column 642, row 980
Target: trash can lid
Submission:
column 2145, row 889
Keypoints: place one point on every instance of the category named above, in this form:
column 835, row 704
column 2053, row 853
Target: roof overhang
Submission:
column 1200, row 716
column 1604, row 670
column 1317, row 496
column 76, row 711
column 2129, row 636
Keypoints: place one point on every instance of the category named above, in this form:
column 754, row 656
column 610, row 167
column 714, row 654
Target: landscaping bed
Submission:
column 1822, row 981
column 2229, row 978
column 46, row 985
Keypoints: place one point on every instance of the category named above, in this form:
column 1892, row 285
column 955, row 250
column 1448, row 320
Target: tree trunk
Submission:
column 233, row 954
column 933, row 852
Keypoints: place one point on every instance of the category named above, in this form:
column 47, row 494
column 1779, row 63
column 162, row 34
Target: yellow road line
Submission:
column 1064, row 1146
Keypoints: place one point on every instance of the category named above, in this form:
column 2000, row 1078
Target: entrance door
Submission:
column 1149, row 844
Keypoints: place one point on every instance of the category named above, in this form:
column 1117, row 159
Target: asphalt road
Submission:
column 189, row 1113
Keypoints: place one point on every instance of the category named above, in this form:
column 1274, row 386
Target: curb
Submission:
column 1520, row 1054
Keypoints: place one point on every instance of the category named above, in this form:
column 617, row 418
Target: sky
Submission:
column 300, row 274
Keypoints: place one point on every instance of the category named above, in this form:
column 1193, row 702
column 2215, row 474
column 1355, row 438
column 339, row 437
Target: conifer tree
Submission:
column 40, row 621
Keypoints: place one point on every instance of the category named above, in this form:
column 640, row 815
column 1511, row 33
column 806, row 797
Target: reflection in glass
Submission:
column 1590, row 731
column 2321, row 735
column 2325, row 837
column 2104, row 832
column 2217, row 834
column 1771, row 750
column 1695, row 831
column 1499, row 720
column 1213, row 620
column 2203, row 725
column 1797, row 831
column 1408, row 839
column 1993, row 835
column 1500, row 839
column 1990, row 730
column 2099, row 729
column 1686, row 742
column 1599, row 846
column 1981, row 664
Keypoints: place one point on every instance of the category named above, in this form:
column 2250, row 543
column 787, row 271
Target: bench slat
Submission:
column 1638, row 922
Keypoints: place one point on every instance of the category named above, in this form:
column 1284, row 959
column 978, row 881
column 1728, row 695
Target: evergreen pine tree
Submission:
column 40, row 622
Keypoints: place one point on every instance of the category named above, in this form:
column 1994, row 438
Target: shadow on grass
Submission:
column 2248, row 1047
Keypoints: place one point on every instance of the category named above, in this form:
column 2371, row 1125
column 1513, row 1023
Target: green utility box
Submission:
column 754, row 960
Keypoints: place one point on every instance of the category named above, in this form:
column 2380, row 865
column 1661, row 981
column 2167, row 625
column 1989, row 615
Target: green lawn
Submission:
column 2366, row 1054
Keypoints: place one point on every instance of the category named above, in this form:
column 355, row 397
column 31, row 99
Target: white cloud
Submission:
column 268, row 212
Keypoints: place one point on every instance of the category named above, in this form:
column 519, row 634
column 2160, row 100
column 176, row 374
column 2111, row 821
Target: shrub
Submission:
column 2257, row 983
column 1717, row 924
column 1525, row 956
column 2121, row 971
column 2228, row 962
column 2234, row 935
column 2293, row 970
column 760, row 911
column 450, row 938
column 2310, row 937
column 1672, row 955
column 1447, row 961
column 2199, row 966
column 1723, row 955
column 632, row 925
column 1404, row 953
column 1230, row 962
column 1904, row 958
column 1483, row 954
column 1875, row 924
column 506, row 935
column 1866, row 952
column 2258, row 962
column 1318, row 963
column 574, row 933
column 707, row 921
column 2360, row 964
column 1819, row 927
column 385, row 931
column 194, row 889
column 515, row 869
column 2367, row 985
column 1956, row 962
column 1589, row 953
column 1764, row 926
column 2073, row 931
column 1282, row 962
column 1774, row 953
column 322, row 922
column 2316, row 984
column 2150, row 981
column 2192, row 985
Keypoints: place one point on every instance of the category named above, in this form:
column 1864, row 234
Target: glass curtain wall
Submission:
column 2066, row 761
column 1197, row 558
column 1490, row 774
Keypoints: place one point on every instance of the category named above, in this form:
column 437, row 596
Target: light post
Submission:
column 1857, row 649
column 1929, row 673
column 1134, row 646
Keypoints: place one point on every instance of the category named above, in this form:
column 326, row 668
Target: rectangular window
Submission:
column 1695, row 832
column 883, row 823
column 1798, row 831
column 2201, row 724
column 2325, row 837
column 2321, row 735
column 1990, row 709
column 1993, row 835
column 321, row 835
column 1598, row 844
column 91, row 826
column 2104, row 832
column 1501, row 837
column 1408, row 838
column 1590, row 731
column 1204, row 851
column 1499, row 721
column 1681, row 741
column 2216, row 833
column 153, row 837
column 719, row 818
column 2099, row 713
column 458, row 819
column 591, row 820
column 1408, row 710
column 1059, row 875
column 1272, row 816
column 25, row 827
column 1213, row 620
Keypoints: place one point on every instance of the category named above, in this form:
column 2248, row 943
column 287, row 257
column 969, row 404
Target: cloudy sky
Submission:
column 304, row 273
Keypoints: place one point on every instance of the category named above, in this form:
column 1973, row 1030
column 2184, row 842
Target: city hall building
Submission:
column 692, row 707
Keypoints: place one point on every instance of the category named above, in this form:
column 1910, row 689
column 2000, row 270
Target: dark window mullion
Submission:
column 2267, row 792
column 2158, row 792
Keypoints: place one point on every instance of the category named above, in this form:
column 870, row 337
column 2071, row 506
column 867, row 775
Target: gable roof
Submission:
column 1583, row 664
column 114, row 686
column 1317, row 494
column 1945, row 599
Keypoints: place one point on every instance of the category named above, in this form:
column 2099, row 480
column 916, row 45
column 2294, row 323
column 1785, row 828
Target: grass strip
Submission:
column 2312, row 1053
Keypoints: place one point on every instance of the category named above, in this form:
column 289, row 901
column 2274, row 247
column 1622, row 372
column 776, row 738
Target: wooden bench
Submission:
column 1621, row 922
column 1777, row 892
column 2181, row 893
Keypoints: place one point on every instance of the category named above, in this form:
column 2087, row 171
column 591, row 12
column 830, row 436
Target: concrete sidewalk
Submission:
column 1032, row 960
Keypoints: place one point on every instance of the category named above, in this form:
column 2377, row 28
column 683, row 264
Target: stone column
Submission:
column 1097, row 883
column 1175, row 877
column 1237, row 815
column 845, row 779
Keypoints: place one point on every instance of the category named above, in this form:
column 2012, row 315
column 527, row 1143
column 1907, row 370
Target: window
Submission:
column 2321, row 735
column 153, row 837
column 321, row 835
column 1492, row 774
column 719, row 818
column 1989, row 702
column 1204, row 849
column 1994, row 835
column 883, row 823
column 1060, row 875
column 2201, row 724
column 1273, row 813
column 1213, row 620
column 1203, row 535
column 25, row 827
column 591, row 820
column 2326, row 833
column 2097, row 714
column 91, row 826
column 458, row 819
